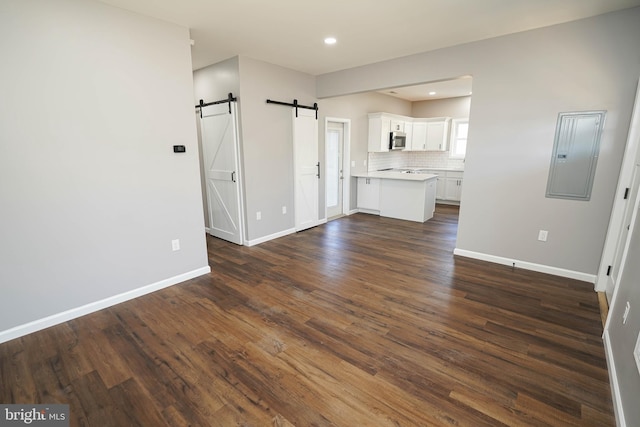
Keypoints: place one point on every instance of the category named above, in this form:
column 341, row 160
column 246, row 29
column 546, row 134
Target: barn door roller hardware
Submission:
column 296, row 106
column 229, row 99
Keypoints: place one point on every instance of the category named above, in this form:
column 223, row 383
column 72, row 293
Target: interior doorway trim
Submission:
column 346, row 161
column 621, row 202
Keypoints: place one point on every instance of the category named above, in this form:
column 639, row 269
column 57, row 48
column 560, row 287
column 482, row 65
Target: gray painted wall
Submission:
column 267, row 142
column 457, row 108
column 93, row 98
column 622, row 337
column 520, row 83
column 266, row 139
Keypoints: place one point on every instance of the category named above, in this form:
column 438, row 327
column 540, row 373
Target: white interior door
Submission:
column 221, row 168
column 334, row 149
column 306, row 168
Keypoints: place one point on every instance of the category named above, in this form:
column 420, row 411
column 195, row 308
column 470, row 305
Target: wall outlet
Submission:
column 258, row 215
column 625, row 315
column 542, row 235
column 284, row 210
column 353, row 163
column 175, row 245
column 364, row 163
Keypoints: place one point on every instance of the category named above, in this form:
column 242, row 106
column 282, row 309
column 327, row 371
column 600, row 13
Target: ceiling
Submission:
column 290, row 33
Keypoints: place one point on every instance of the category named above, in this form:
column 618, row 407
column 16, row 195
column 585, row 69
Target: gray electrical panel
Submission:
column 575, row 154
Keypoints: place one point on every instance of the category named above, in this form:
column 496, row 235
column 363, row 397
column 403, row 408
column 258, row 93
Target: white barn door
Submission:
column 306, row 168
column 221, row 169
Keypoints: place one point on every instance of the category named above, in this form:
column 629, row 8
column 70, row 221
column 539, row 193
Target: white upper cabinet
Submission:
column 380, row 127
column 379, row 130
column 425, row 134
column 397, row 125
column 437, row 133
column 408, row 130
column 419, row 135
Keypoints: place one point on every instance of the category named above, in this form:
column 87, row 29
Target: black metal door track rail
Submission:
column 229, row 100
column 296, row 106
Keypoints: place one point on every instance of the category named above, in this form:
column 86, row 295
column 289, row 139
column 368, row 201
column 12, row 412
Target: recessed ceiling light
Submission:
column 330, row 40
column 432, row 93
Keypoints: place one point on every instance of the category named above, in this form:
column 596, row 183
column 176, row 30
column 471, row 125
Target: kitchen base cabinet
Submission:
column 449, row 186
column 369, row 194
column 408, row 200
column 453, row 189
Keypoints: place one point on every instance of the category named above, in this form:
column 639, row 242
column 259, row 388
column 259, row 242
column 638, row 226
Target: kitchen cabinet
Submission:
column 408, row 130
column 408, row 200
column 397, row 125
column 369, row 194
column 453, row 186
column 418, row 136
column 449, row 185
column 381, row 125
column 379, row 129
column 437, row 133
column 440, row 183
column 430, row 134
column 399, row 195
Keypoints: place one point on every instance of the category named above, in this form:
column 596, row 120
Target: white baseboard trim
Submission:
column 353, row 211
column 56, row 319
column 613, row 381
column 577, row 275
column 269, row 237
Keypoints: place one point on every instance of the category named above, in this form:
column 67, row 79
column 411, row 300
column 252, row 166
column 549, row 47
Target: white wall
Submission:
column 520, row 83
column 457, row 108
column 93, row 99
column 622, row 337
column 267, row 143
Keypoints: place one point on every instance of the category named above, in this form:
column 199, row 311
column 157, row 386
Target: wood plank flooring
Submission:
column 364, row 321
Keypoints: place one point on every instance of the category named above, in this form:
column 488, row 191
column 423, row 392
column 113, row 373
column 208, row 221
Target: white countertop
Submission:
column 396, row 175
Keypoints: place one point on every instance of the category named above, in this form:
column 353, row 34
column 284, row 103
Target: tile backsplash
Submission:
column 418, row 159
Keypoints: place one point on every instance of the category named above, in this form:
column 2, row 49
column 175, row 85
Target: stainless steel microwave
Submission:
column 397, row 141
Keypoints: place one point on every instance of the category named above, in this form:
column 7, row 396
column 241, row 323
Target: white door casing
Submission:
column 334, row 150
column 306, row 168
column 346, row 161
column 619, row 257
column 222, row 172
column 616, row 234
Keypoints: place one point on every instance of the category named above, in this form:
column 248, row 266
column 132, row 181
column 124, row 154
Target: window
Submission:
column 459, row 130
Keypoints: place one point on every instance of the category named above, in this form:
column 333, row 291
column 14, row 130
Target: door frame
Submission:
column 620, row 205
column 346, row 161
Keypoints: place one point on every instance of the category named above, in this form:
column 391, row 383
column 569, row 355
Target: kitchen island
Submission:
column 408, row 195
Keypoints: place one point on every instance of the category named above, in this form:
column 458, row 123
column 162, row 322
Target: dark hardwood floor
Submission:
column 364, row 321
